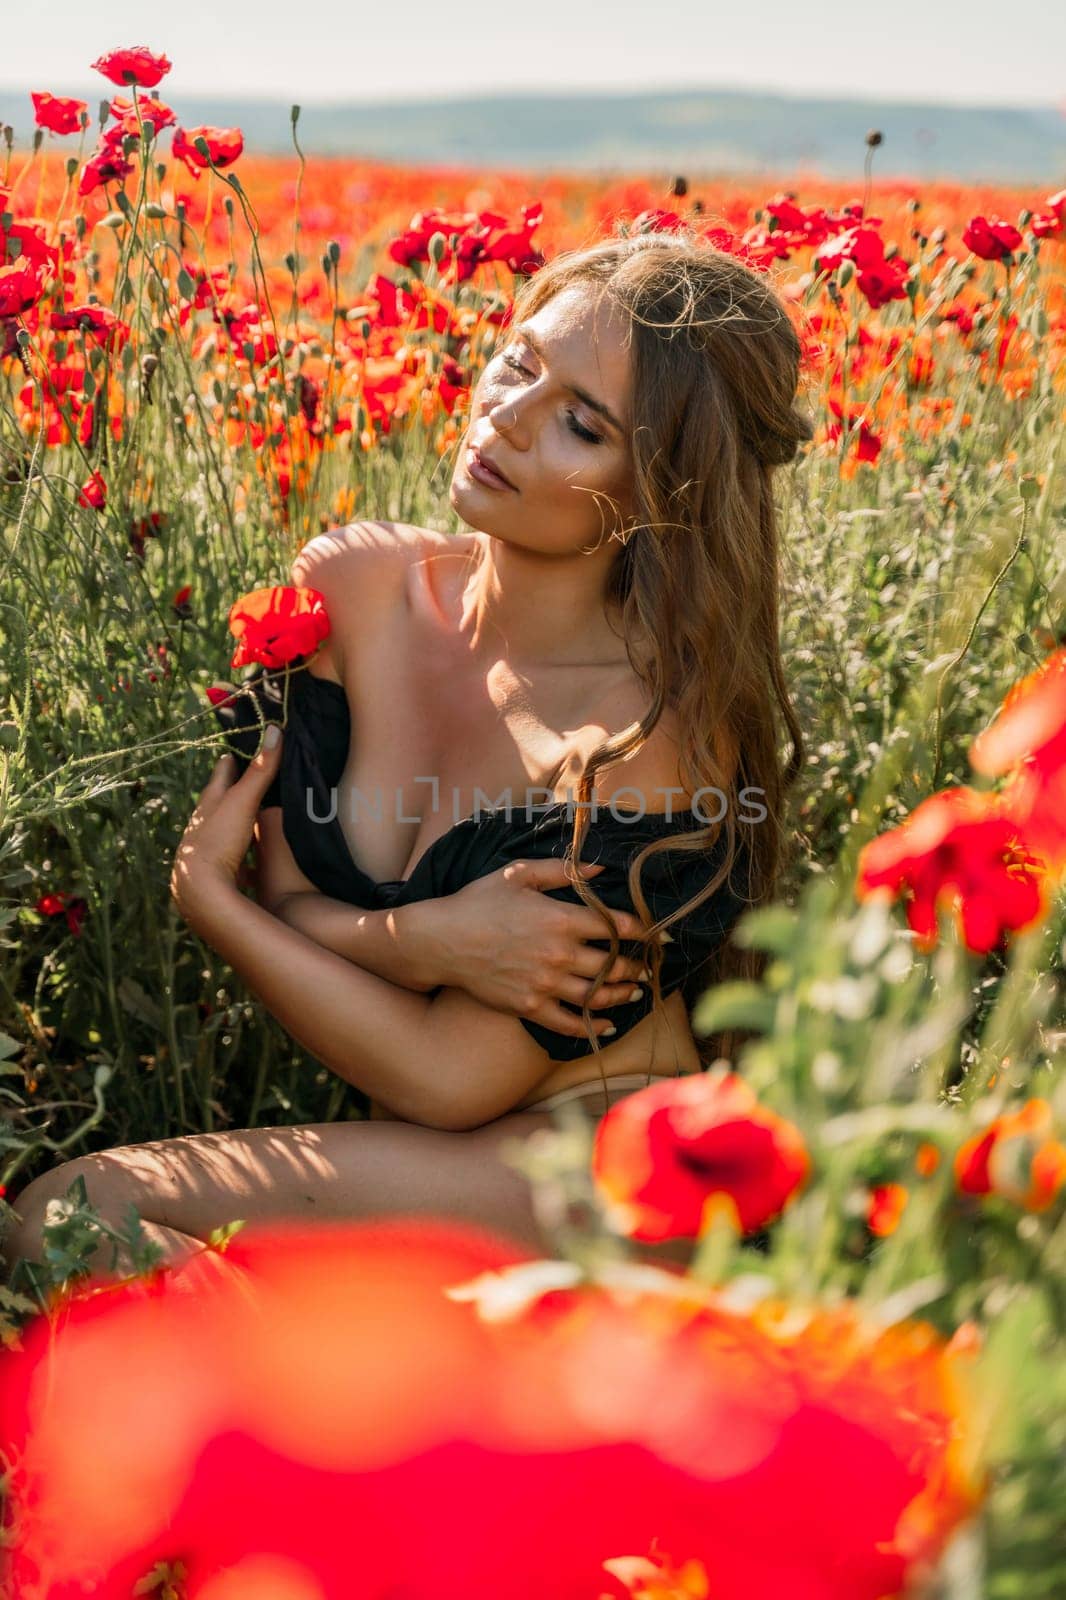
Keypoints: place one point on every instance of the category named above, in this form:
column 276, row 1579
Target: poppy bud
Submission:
column 874, row 138
column 679, row 188
column 294, row 115
column 334, row 250
column 114, row 219
column 155, row 211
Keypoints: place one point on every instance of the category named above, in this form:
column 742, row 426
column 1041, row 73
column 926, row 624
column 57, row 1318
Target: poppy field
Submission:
column 856, row 1389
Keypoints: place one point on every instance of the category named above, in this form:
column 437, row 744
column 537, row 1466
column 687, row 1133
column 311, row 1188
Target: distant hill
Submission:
column 704, row 131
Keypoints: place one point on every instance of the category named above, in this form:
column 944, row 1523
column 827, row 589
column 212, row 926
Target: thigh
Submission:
column 335, row 1170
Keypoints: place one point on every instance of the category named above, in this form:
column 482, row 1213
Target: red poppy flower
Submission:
column 990, row 238
column 93, row 493
column 276, row 625
column 1051, row 224
column 657, row 221
column 885, row 1208
column 57, row 113
column 1015, row 1157
column 861, row 244
column 884, row 281
column 863, row 440
column 659, row 1155
column 21, row 286
column 102, row 324
column 107, row 165
column 136, row 65
column 125, row 113
column 180, row 602
column 1028, row 740
column 335, row 1409
column 224, row 146
column 957, row 848
column 60, row 904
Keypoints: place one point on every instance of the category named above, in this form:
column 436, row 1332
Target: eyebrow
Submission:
column 524, row 331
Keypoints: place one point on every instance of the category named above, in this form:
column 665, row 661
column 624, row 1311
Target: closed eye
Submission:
column 577, row 427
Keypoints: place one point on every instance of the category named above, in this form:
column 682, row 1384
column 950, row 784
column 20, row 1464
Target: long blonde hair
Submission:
column 715, row 362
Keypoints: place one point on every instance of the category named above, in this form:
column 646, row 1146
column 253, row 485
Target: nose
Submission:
column 504, row 419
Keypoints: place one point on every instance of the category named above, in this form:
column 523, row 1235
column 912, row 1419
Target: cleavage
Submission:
column 388, row 817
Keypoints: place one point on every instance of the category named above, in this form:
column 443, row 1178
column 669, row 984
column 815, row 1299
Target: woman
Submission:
column 615, row 600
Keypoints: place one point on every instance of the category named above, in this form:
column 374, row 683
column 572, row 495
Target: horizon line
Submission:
column 460, row 94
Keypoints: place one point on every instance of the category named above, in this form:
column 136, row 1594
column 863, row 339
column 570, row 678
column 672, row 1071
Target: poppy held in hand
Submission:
column 662, row 1153
column 136, row 65
column 277, row 625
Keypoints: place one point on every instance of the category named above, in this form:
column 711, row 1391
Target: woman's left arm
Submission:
column 385, row 1040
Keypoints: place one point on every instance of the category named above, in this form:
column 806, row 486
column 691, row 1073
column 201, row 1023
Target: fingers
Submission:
column 221, row 775
column 550, row 872
column 552, row 1015
column 576, row 990
column 586, row 963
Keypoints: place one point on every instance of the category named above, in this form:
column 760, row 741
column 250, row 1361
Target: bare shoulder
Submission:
column 358, row 548
column 363, row 552
column 361, row 571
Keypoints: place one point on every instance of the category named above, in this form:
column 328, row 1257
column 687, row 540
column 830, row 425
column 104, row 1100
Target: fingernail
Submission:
column 272, row 737
column 666, row 938
column 645, row 974
column 635, row 994
column 609, row 1032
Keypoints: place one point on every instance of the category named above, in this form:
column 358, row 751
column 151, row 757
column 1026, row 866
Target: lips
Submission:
column 487, row 461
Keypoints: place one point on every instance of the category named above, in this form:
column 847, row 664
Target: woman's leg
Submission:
column 184, row 1188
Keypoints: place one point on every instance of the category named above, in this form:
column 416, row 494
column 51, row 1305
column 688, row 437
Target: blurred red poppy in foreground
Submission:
column 1028, row 741
column 336, row 1410
column 276, row 625
column 659, row 1155
column 1015, row 1157
column 959, row 849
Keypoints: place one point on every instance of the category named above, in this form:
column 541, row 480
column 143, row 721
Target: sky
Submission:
column 980, row 54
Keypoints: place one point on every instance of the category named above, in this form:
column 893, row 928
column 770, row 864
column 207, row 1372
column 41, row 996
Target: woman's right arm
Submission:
column 500, row 939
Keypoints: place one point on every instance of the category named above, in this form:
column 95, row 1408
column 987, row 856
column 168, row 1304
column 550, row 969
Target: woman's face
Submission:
column 551, row 412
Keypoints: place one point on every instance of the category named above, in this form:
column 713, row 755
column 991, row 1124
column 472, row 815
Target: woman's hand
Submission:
column 220, row 830
column 520, row 952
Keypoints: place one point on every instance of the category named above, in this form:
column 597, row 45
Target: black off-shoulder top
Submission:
column 314, row 755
